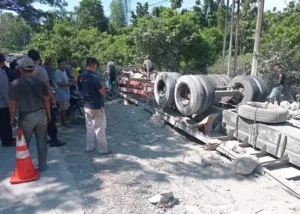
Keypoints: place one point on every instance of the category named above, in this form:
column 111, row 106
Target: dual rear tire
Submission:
column 195, row 94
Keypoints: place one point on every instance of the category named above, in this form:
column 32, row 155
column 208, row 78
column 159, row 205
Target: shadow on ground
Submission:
column 54, row 192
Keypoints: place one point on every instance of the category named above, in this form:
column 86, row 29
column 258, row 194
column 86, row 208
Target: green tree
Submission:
column 247, row 27
column 119, row 10
column 175, row 4
column 141, row 11
column 26, row 11
column 15, row 33
column 174, row 41
column 91, row 13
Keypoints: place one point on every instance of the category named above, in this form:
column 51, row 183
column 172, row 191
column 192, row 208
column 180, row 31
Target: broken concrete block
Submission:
column 245, row 165
column 163, row 200
column 158, row 199
column 168, row 195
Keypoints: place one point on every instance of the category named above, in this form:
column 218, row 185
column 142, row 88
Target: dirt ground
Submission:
column 138, row 169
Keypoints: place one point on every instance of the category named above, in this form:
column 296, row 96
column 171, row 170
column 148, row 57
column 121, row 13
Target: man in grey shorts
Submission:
column 62, row 90
column 278, row 85
column 30, row 95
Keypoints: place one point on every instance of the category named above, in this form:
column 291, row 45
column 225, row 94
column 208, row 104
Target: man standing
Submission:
column 42, row 75
column 62, row 90
column 48, row 67
column 278, row 85
column 31, row 96
column 111, row 76
column 75, row 69
column 93, row 94
column 5, row 127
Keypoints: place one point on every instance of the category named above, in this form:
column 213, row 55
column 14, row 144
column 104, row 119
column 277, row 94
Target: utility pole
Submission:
column 231, row 35
column 260, row 14
column 225, row 37
column 236, row 47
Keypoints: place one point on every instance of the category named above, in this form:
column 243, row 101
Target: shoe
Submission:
column 57, row 143
column 109, row 152
column 43, row 169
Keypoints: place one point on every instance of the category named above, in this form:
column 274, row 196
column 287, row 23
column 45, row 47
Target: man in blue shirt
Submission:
column 93, row 94
column 62, row 90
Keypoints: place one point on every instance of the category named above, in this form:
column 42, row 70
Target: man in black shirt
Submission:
column 93, row 94
column 278, row 85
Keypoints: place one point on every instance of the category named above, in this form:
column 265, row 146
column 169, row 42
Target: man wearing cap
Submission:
column 42, row 75
column 5, row 127
column 31, row 96
column 278, row 85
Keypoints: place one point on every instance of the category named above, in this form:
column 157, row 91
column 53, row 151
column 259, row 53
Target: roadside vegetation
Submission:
column 186, row 41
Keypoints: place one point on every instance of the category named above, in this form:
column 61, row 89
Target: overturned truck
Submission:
column 238, row 106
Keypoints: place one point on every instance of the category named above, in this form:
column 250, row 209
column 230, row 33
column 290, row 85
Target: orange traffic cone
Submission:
column 24, row 171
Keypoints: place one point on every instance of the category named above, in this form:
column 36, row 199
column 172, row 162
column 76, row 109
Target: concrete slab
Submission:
column 54, row 192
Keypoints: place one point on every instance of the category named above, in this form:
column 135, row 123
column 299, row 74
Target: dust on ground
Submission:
column 138, row 169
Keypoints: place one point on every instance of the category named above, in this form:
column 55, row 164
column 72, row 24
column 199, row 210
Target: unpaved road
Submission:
column 123, row 182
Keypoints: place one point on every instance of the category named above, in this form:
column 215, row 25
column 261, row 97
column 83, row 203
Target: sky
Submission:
column 269, row 4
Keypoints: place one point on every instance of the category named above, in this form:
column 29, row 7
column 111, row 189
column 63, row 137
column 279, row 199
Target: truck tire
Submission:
column 263, row 88
column 175, row 75
column 210, row 93
column 215, row 80
column 164, row 87
column 190, row 95
column 263, row 112
column 221, row 79
column 247, row 86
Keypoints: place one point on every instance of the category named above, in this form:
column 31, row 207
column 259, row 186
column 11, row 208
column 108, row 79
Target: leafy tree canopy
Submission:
column 26, row 11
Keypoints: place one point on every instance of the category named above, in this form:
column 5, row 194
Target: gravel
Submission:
column 124, row 181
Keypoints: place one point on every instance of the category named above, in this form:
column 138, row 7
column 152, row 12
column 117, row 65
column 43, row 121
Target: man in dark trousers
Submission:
column 30, row 96
column 42, row 74
column 5, row 127
column 278, row 85
column 95, row 119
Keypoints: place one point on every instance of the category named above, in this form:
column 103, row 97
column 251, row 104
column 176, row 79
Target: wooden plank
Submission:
column 291, row 188
column 136, row 83
column 135, row 91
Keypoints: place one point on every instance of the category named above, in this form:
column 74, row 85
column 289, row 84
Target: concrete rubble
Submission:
column 164, row 200
column 244, row 165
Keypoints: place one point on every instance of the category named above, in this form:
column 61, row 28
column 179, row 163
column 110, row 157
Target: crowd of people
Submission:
column 27, row 101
